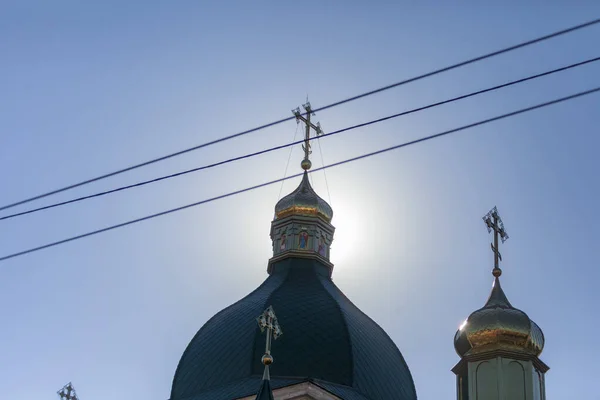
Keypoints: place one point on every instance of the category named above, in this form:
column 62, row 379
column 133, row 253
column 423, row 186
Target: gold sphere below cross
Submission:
column 267, row 359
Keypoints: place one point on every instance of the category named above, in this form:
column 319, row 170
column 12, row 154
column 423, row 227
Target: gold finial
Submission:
column 267, row 359
column 306, row 164
column 268, row 320
column 494, row 222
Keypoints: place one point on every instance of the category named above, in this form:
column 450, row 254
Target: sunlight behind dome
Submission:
column 347, row 223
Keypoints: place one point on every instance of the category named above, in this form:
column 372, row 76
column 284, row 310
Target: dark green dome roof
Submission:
column 327, row 340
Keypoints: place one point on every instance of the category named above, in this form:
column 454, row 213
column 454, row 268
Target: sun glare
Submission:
column 347, row 228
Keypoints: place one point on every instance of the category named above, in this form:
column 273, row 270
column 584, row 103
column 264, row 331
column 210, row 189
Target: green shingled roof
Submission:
column 327, row 339
column 265, row 392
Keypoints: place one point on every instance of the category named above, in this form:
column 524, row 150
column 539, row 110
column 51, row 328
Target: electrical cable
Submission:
column 349, row 160
column 288, row 161
column 416, row 78
column 447, row 101
column 324, row 173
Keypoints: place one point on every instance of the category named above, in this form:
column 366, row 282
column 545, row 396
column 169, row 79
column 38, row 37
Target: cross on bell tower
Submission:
column 494, row 223
column 68, row 392
column 306, row 164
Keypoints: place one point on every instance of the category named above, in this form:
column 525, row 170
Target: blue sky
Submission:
column 89, row 88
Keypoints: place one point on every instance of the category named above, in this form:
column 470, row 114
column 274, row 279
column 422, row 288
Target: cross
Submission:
column 306, row 164
column 494, row 222
column 67, row 392
column 268, row 320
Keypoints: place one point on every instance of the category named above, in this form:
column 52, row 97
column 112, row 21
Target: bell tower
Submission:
column 302, row 224
column 499, row 345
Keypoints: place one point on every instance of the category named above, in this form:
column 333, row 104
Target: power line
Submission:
column 288, row 162
column 324, row 173
column 447, row 101
column 349, row 160
column 414, row 79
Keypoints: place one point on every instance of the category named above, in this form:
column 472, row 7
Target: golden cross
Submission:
column 494, row 222
column 306, row 164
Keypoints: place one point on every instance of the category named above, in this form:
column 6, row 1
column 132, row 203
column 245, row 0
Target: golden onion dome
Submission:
column 498, row 326
column 303, row 201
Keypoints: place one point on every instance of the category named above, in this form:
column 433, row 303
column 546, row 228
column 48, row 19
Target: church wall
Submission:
column 503, row 379
column 539, row 392
column 302, row 391
column 515, row 381
column 462, row 387
column 486, row 381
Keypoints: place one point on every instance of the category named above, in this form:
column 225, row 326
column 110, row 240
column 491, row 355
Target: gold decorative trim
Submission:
column 516, row 355
column 300, row 210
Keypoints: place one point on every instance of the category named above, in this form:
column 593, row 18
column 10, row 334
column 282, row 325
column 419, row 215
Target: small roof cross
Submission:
column 268, row 321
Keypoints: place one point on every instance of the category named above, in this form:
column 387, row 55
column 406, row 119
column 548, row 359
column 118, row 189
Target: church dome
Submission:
column 498, row 325
column 303, row 201
column 327, row 340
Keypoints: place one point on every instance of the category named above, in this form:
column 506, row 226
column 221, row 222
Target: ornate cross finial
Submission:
column 306, row 164
column 494, row 223
column 67, row 392
column 268, row 320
